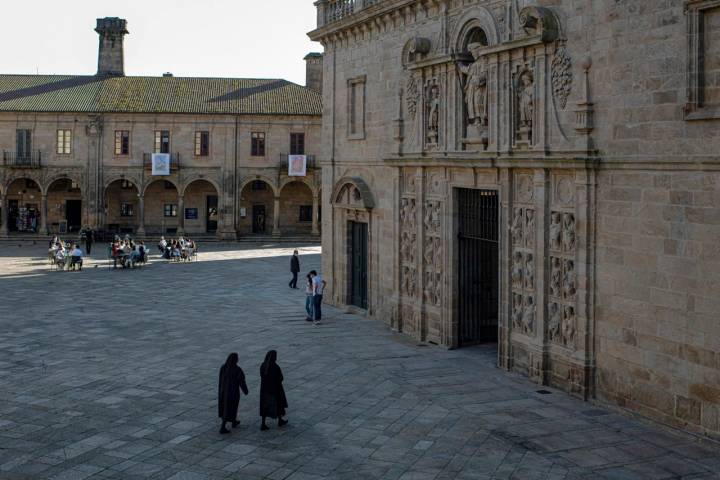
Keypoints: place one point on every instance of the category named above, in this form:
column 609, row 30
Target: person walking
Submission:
column 294, row 269
column 232, row 380
column 318, row 290
column 309, row 299
column 89, row 240
column 273, row 401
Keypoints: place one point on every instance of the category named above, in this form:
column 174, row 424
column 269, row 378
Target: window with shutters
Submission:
column 122, row 142
column 64, row 142
column 202, row 144
column 162, row 141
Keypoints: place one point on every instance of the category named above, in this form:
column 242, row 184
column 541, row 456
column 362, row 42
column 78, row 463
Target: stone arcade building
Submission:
column 543, row 174
column 77, row 151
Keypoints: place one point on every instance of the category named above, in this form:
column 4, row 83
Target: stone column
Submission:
column 43, row 215
column 316, row 202
column 276, row 217
column 141, row 216
column 181, row 215
column 4, row 218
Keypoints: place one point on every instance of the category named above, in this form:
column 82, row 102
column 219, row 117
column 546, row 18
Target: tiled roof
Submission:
column 57, row 93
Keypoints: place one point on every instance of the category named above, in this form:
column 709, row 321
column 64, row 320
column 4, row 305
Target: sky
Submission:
column 198, row 38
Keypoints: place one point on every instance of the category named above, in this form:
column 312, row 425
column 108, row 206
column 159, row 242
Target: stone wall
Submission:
column 594, row 125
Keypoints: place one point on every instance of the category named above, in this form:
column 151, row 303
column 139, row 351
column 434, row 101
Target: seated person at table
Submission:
column 76, row 258
column 60, row 255
column 162, row 245
column 175, row 249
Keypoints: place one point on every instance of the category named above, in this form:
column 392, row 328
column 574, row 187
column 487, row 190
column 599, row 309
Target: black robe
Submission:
column 272, row 394
column 232, row 379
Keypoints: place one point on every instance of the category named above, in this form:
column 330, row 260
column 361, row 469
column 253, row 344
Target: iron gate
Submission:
column 478, row 280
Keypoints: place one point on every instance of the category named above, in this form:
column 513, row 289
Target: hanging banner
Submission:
column 297, row 165
column 161, row 164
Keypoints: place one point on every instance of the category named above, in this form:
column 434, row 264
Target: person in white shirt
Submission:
column 76, row 258
column 318, row 290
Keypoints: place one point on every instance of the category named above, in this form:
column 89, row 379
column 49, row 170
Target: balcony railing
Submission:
column 333, row 10
column 22, row 159
column 174, row 162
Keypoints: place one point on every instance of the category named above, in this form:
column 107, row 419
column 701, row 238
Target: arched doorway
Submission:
column 298, row 209
column 122, row 206
column 163, row 208
column 64, row 206
column 257, row 208
column 202, row 209
column 24, row 207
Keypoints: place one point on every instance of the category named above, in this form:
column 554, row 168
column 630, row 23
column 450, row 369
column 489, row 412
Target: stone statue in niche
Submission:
column 528, row 319
column 569, row 232
column 569, row 286
column 476, row 93
column 517, row 227
column 433, row 114
column 530, row 227
column 517, row 314
column 568, row 325
column 555, row 232
column 516, row 273
column 526, row 106
column 555, row 322
column 555, row 277
column 529, row 271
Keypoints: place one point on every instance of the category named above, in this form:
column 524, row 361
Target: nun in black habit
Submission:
column 272, row 394
column 232, row 379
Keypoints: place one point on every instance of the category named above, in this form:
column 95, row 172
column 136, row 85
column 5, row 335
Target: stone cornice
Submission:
column 371, row 17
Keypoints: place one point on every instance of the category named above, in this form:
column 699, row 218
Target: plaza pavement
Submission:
column 113, row 375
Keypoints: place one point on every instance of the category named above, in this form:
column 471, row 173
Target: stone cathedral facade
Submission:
column 544, row 174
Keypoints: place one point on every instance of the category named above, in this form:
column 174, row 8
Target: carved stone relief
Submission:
column 530, row 228
column 432, row 108
column 433, row 253
column 412, row 96
column 568, row 235
column 517, row 227
column 523, row 269
column 563, row 278
column 408, row 246
column 561, row 75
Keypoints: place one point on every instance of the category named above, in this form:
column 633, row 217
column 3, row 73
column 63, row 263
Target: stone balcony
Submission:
column 330, row 11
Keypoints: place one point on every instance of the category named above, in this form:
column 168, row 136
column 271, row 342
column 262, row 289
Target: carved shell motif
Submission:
column 561, row 75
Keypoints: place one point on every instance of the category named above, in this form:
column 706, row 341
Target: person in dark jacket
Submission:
column 89, row 240
column 232, row 379
column 294, row 269
column 272, row 394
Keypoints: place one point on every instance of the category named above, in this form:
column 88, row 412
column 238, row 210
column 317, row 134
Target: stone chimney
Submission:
column 111, row 59
column 314, row 71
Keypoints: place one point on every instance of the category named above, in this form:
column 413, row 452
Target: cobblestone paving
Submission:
column 112, row 375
